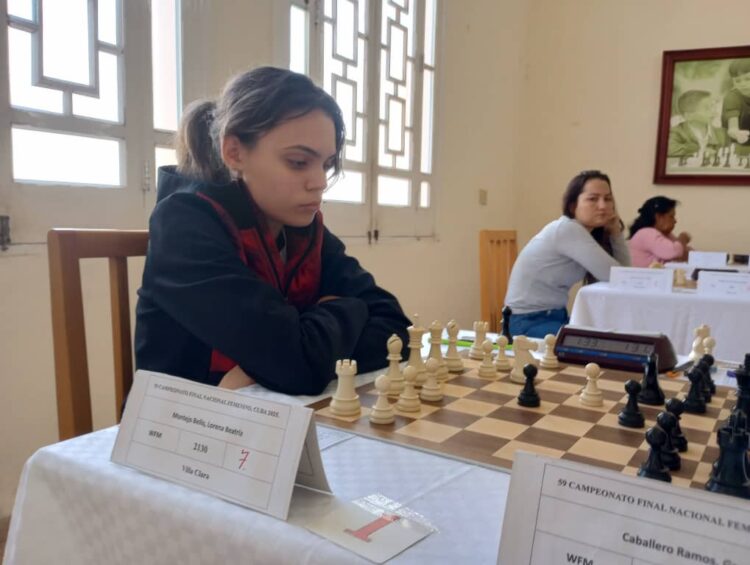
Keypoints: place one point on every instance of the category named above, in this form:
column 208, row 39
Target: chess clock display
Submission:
column 627, row 352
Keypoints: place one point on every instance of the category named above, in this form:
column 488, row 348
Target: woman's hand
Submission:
column 684, row 238
column 614, row 225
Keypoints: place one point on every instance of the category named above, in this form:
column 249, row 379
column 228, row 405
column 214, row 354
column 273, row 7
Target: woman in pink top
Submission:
column 651, row 237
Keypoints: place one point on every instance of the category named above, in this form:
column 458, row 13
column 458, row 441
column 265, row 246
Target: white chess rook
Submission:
column 591, row 395
column 452, row 357
column 382, row 412
column 345, row 401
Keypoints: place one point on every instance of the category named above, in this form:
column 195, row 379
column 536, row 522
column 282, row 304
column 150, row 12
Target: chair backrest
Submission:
column 497, row 253
column 65, row 247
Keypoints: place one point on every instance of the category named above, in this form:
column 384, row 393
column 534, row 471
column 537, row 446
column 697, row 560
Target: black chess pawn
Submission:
column 669, row 455
column 729, row 473
column 675, row 407
column 653, row 467
column 695, row 403
column 631, row 416
column 742, row 376
column 529, row 397
column 507, row 312
column 651, row 393
column 709, row 361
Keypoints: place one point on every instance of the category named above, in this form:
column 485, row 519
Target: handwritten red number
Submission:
column 245, row 454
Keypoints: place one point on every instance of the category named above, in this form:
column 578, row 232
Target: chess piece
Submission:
column 669, row 455
column 529, row 397
column 436, row 334
column 502, row 363
column 415, row 350
column 730, row 472
column 487, row 369
column 680, row 277
column 480, row 332
column 395, row 377
column 709, row 343
column 708, row 361
column 631, row 416
column 382, row 412
column 452, row 357
column 695, row 403
column 742, row 376
column 408, row 400
column 507, row 312
column 700, row 333
column 656, row 265
column 651, row 392
column 345, row 401
column 705, row 370
column 591, row 395
column 522, row 348
column 675, row 407
column 549, row 361
column 432, row 390
column 654, row 467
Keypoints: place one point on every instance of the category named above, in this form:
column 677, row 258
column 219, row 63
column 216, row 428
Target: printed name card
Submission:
column 241, row 448
column 724, row 284
column 707, row 259
column 564, row 512
column 645, row 280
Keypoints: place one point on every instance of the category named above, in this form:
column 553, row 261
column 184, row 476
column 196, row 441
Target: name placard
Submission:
column 564, row 512
column 707, row 259
column 724, row 284
column 238, row 447
column 645, row 280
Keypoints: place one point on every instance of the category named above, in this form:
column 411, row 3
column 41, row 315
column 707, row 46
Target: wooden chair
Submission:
column 65, row 248
column 497, row 253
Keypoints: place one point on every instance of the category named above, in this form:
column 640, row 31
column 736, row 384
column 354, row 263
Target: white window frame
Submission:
column 34, row 207
column 369, row 219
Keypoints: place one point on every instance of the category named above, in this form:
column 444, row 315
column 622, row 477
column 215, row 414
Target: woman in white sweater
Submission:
column 583, row 243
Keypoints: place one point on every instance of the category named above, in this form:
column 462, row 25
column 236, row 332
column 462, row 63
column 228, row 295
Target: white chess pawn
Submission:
column 345, row 401
column 522, row 348
column 408, row 400
column 480, row 332
column 415, row 350
column 591, row 395
column 382, row 412
column 502, row 363
column 487, row 369
column 436, row 335
column 708, row 345
column 452, row 357
column 432, row 390
column 549, row 361
column 395, row 376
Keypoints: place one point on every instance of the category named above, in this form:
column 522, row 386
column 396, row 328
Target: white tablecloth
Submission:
column 675, row 314
column 74, row 506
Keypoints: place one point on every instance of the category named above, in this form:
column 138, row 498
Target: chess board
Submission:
column 479, row 420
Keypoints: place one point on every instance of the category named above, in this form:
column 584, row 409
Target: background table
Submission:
column 75, row 506
column 675, row 314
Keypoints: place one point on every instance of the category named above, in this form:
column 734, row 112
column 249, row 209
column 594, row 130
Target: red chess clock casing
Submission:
column 627, row 352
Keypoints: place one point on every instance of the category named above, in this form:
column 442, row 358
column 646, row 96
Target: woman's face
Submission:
column 286, row 171
column 666, row 222
column 595, row 205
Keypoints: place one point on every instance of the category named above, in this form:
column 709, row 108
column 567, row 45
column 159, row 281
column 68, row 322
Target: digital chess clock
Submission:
column 627, row 352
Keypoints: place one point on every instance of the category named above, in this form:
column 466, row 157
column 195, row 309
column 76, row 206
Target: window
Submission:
column 82, row 137
column 378, row 59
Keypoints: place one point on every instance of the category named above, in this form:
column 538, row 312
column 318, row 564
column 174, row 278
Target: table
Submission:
column 675, row 314
column 75, row 506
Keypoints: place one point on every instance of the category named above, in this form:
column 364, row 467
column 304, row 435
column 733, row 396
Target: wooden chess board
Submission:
column 479, row 420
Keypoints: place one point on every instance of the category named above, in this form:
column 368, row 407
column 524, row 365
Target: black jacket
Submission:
column 199, row 296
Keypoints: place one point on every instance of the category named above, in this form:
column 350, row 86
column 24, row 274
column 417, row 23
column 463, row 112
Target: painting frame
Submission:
column 670, row 169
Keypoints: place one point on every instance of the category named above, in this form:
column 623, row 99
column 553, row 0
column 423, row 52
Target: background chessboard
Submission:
column 479, row 420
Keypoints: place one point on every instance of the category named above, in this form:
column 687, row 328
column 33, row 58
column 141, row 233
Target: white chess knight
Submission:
column 452, row 357
column 591, row 395
column 382, row 412
column 697, row 351
column 522, row 348
column 480, row 333
column 549, row 361
column 502, row 363
column 345, row 401
column 487, row 368
column 395, row 377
